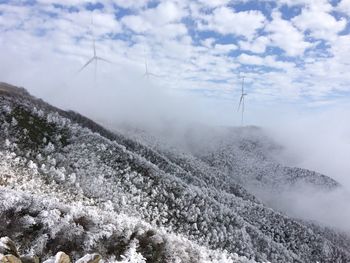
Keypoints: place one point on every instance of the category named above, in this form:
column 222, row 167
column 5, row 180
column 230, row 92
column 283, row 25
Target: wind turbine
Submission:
column 147, row 74
column 241, row 101
column 94, row 58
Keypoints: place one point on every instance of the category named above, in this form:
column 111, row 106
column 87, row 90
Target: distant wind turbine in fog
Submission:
column 147, row 74
column 94, row 58
column 241, row 102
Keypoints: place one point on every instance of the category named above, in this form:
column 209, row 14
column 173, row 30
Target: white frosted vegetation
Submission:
column 86, row 190
column 42, row 185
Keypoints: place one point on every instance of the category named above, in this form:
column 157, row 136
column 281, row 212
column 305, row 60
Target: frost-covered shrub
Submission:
column 44, row 227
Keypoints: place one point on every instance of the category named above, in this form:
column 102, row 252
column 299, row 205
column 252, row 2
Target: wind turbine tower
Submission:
column 241, row 102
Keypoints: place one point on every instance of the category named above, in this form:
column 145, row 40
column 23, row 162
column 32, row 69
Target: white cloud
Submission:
column 267, row 61
column 285, row 36
column 250, row 59
column 162, row 20
column 216, row 48
column 273, row 62
column 323, row 5
column 257, row 45
column 105, row 22
column 292, row 2
column 344, row 6
column 341, row 49
column 214, row 3
column 65, row 2
column 225, row 21
column 208, row 42
column 328, row 75
column 321, row 24
column 224, row 48
column 165, row 12
column 137, row 23
column 13, row 17
column 134, row 4
column 131, row 4
column 170, row 31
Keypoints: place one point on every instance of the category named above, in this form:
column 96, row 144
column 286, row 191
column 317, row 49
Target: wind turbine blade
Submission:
column 240, row 103
column 85, row 65
column 154, row 75
column 105, row 60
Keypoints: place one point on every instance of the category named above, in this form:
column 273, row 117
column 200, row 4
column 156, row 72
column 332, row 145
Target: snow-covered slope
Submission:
column 69, row 184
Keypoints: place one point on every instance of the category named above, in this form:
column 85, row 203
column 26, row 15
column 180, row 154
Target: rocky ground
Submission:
column 9, row 254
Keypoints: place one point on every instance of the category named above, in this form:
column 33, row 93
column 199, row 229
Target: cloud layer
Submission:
column 293, row 51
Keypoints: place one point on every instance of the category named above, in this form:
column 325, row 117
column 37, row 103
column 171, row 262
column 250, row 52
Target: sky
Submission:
column 293, row 54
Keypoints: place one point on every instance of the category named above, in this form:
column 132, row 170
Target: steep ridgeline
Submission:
column 68, row 184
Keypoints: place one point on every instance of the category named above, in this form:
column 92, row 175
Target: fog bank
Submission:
column 316, row 140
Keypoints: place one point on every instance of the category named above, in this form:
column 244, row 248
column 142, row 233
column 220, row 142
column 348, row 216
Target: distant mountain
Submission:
column 69, row 184
column 246, row 155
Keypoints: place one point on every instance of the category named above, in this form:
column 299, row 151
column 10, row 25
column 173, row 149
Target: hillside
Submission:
column 69, row 184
